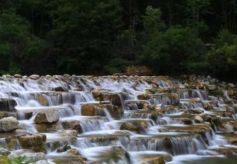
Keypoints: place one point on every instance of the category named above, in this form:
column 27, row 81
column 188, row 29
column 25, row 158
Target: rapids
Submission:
column 118, row 119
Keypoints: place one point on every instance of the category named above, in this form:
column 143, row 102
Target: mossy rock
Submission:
column 4, row 160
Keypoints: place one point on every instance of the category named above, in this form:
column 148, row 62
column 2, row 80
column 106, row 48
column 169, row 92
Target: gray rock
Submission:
column 7, row 105
column 8, row 124
column 35, row 77
column 30, row 157
column 4, row 151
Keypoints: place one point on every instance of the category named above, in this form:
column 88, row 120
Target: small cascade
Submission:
column 28, row 126
column 174, row 144
column 108, row 115
column 88, row 125
column 117, row 119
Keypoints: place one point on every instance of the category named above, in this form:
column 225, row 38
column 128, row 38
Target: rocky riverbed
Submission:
column 116, row 119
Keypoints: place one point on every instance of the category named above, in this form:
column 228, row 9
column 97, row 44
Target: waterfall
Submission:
column 118, row 119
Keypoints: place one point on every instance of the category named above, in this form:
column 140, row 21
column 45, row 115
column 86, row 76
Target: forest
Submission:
column 100, row 37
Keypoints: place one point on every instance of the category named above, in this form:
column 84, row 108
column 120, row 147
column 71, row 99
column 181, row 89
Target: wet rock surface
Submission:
column 46, row 116
column 115, row 119
column 8, row 124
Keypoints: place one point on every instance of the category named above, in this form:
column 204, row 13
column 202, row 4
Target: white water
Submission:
column 149, row 134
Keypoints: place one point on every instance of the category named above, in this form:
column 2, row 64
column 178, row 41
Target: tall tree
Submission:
column 17, row 44
column 84, row 33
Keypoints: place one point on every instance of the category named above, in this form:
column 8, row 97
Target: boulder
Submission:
column 18, row 76
column 35, row 142
column 136, row 104
column 60, row 139
column 59, row 89
column 3, row 114
column 11, row 143
column 7, row 105
column 115, row 98
column 138, row 126
column 34, row 77
column 144, row 96
column 8, row 124
column 72, row 124
column 98, row 109
column 45, row 127
column 46, row 116
column 4, row 152
column 198, row 119
column 68, row 133
column 91, row 110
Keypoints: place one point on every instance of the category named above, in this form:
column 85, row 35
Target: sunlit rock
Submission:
column 98, row 109
column 46, row 116
column 198, row 119
column 138, row 126
column 42, row 100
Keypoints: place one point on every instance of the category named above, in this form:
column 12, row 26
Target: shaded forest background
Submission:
column 107, row 36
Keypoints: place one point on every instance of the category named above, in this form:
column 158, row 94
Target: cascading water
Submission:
column 115, row 119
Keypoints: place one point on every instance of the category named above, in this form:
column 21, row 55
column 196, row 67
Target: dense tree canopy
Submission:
column 106, row 36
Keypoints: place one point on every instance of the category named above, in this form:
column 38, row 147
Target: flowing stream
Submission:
column 118, row 119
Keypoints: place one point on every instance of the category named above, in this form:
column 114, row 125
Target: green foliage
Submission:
column 106, row 36
column 16, row 160
column 223, row 57
column 84, row 31
column 152, row 20
column 16, row 42
column 21, row 159
column 173, row 51
column 116, row 65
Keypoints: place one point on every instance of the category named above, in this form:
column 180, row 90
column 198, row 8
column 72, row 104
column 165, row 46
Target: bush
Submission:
column 177, row 50
column 222, row 58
